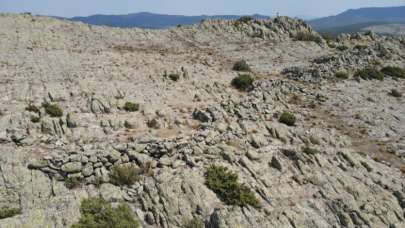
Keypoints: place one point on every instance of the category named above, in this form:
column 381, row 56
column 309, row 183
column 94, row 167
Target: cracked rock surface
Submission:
column 183, row 126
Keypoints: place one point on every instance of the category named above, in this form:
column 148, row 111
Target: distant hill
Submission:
column 150, row 20
column 375, row 15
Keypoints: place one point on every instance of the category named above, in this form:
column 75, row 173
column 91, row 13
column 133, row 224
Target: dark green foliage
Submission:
column 287, row 118
column 9, row 212
column 241, row 66
column 174, row 77
column 245, row 19
column 124, row 175
column 33, row 108
column 98, row 213
column 393, row 71
column 131, row 107
column 342, row 48
column 395, row 93
column 307, row 36
column 369, row 74
column 243, row 82
column 342, row 75
column 52, row 109
column 310, row 151
column 73, row 182
column 225, row 184
column 194, row 223
column 35, row 119
column 360, row 47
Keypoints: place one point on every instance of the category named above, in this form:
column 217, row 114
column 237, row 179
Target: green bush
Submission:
column 341, row 75
column 225, row 184
column 287, row 118
column 369, row 74
column 131, row 107
column 307, row 36
column 9, row 212
column 241, row 66
column 393, row 71
column 243, row 82
column 52, row 109
column 98, row 213
column 73, row 182
column 124, row 175
column 310, row 151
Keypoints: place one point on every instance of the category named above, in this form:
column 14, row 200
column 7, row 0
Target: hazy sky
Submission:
column 70, row 8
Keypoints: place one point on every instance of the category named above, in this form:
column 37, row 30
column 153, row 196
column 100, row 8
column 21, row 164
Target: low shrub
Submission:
column 393, row 71
column 395, row 93
column 243, row 82
column 52, row 109
column 342, row 48
column 287, row 118
column 9, row 212
column 308, row 36
column 35, row 119
column 341, row 75
column 241, row 66
column 122, row 175
column 225, row 184
column 131, row 107
column 98, row 213
column 310, row 151
column 174, row 77
column 369, row 74
column 73, row 182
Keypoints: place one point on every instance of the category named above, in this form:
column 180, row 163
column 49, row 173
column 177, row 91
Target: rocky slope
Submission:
column 183, row 127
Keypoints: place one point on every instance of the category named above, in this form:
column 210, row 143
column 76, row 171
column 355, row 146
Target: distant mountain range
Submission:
column 356, row 20
column 151, row 20
column 353, row 20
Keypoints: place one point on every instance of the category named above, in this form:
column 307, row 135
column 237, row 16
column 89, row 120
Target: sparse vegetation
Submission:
column 194, row 223
column 245, row 19
column 342, row 48
column 287, row 118
column 310, row 151
column 393, row 71
column 73, row 182
column 174, row 77
column 243, row 82
column 395, row 93
column 122, row 175
column 341, row 75
column 35, row 119
column 369, row 74
column 9, row 212
column 241, row 66
column 131, row 107
column 308, row 36
column 98, row 213
column 225, row 184
column 52, row 109
column 33, row 108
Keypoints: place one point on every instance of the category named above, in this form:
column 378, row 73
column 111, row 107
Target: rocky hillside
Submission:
column 313, row 137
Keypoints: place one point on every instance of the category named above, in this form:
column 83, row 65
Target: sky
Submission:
column 70, row 8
